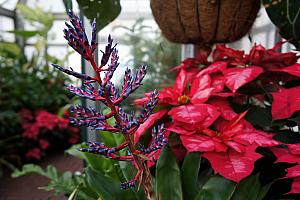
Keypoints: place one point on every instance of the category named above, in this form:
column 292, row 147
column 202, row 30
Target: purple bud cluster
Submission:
column 109, row 94
column 87, row 92
column 158, row 140
column 113, row 91
column 112, row 67
column 98, row 148
column 108, row 51
column 87, row 117
column 128, row 185
column 131, row 83
column 128, row 120
column 148, row 108
column 72, row 72
column 77, row 39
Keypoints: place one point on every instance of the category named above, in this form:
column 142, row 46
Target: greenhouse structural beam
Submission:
column 7, row 13
column 60, row 16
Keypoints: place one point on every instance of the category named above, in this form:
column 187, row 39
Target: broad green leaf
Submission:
column 189, row 175
column 105, row 11
column 217, row 188
column 285, row 14
column 106, row 187
column 168, row 181
column 248, row 188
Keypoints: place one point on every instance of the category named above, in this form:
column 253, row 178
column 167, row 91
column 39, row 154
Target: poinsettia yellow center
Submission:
column 184, row 99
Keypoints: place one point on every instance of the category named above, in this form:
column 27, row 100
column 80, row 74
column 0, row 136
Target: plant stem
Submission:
column 146, row 178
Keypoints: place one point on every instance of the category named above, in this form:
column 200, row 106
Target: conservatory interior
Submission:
column 149, row 99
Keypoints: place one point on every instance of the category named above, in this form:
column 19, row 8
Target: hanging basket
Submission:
column 204, row 21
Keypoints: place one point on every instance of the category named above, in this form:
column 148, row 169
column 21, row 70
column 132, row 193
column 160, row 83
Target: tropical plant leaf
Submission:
column 107, row 188
column 168, row 181
column 217, row 188
column 248, row 188
column 285, row 14
column 104, row 11
column 189, row 175
column 68, row 5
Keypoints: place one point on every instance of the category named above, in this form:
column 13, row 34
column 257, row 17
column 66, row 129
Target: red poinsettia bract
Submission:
column 290, row 155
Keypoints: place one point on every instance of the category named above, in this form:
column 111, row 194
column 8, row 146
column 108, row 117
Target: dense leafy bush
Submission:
column 31, row 92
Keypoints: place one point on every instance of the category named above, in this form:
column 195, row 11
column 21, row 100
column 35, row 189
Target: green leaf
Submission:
column 248, row 188
column 106, row 187
column 68, row 5
column 168, row 181
column 102, row 164
column 73, row 151
column 11, row 50
column 260, row 116
column 285, row 14
column 29, row 168
column 263, row 191
column 189, row 175
column 105, row 11
column 37, row 15
column 24, row 34
column 217, row 188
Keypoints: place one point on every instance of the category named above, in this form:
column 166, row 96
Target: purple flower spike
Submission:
column 149, row 107
column 100, row 88
column 128, row 185
column 159, row 140
column 72, row 72
column 108, row 50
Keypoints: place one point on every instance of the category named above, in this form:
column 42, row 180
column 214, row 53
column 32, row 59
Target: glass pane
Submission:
column 29, row 51
column 8, row 4
column 6, row 24
column 56, row 35
column 59, row 52
column 55, row 6
column 134, row 6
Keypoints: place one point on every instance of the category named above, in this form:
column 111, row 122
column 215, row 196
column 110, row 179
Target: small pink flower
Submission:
column 32, row 131
column 34, row 153
column 26, row 115
column 44, row 144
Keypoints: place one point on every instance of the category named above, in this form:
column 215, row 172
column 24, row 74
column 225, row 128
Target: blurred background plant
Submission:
column 30, row 92
column 150, row 48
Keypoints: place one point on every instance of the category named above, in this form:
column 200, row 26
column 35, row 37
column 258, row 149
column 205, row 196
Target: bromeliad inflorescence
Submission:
column 112, row 97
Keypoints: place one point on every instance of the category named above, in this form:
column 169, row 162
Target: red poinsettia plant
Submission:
column 42, row 129
column 233, row 109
